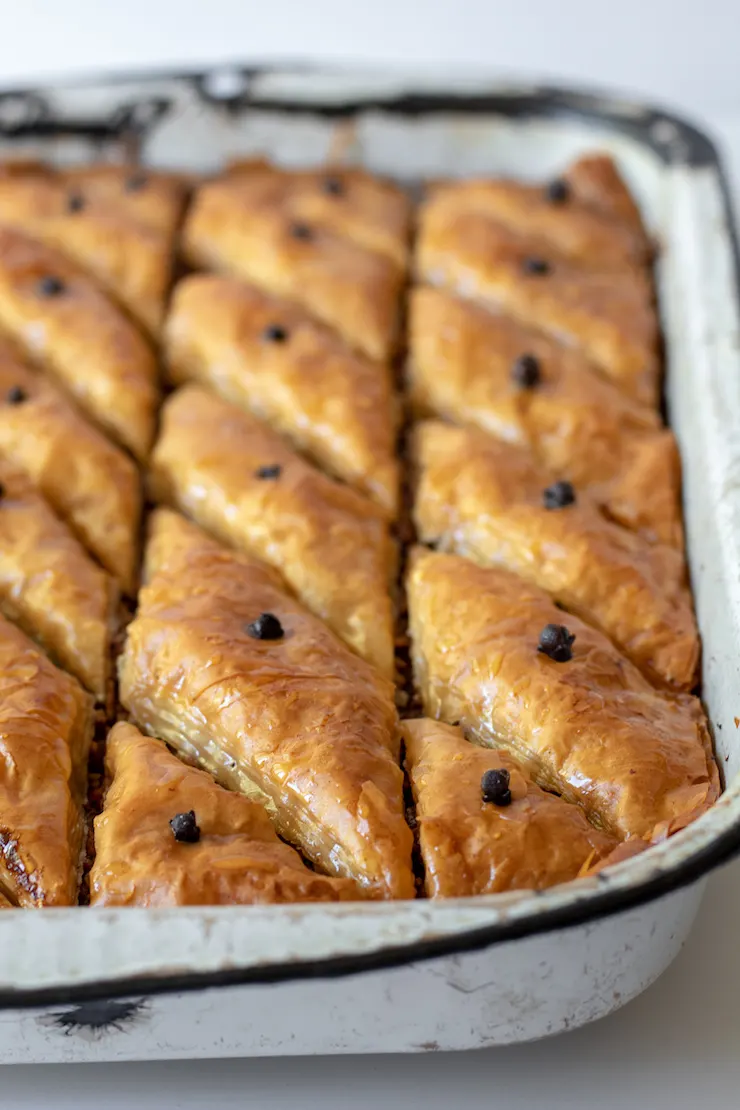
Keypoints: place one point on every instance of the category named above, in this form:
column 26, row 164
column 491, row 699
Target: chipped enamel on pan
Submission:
column 404, row 977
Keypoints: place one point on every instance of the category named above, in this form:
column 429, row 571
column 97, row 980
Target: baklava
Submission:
column 349, row 529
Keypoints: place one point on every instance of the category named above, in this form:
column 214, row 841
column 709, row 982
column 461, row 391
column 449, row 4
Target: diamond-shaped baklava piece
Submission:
column 607, row 314
column 556, row 212
column 270, row 358
column 63, row 322
column 485, row 827
column 90, row 483
column 151, row 198
column 51, row 587
column 131, row 259
column 492, row 502
column 168, row 835
column 497, row 655
column 374, row 213
column 288, row 235
column 232, row 672
column 239, row 480
column 478, row 367
column 46, row 723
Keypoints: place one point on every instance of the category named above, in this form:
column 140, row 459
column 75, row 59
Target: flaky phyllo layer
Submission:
column 341, row 522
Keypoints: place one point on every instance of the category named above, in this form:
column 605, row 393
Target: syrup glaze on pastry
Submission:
column 89, row 482
column 131, row 259
column 608, row 314
column 580, row 232
column 595, row 181
column 373, row 213
column 51, row 587
column 331, row 545
column 46, row 727
column 62, row 321
column 296, row 721
column 237, row 858
column 150, row 198
column 471, row 845
column 586, row 724
column 552, row 636
column 473, row 366
column 289, row 236
column 270, row 358
column 489, row 500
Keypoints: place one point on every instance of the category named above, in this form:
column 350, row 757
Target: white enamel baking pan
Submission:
column 411, row 977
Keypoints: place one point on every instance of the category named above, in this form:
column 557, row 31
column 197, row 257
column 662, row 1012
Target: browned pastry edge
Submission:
column 477, row 838
column 46, row 723
column 51, row 588
column 250, row 229
column 272, row 359
column 229, row 854
column 490, row 501
column 594, row 183
column 290, row 715
column 498, row 656
column 332, row 546
column 61, row 319
column 91, row 483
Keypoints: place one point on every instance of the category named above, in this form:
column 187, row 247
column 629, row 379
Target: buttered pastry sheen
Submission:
column 341, row 552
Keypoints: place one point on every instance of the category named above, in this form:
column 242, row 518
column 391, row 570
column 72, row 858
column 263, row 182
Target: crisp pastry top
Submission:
column 476, row 366
column 373, row 213
column 211, row 369
column 481, row 831
column 498, row 656
column 239, row 480
column 230, row 670
column 572, row 227
column 490, row 500
column 292, row 237
column 608, row 313
column 270, row 358
column 151, row 198
column 97, row 490
column 595, row 181
column 51, row 587
column 46, row 727
column 63, row 322
column 228, row 854
column 131, row 257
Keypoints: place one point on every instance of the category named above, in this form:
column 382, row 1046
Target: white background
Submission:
column 679, row 1045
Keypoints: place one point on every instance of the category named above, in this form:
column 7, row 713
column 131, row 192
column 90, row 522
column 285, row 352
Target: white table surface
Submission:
column 678, row 1046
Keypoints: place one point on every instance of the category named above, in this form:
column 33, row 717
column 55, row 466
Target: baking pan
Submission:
column 403, row 977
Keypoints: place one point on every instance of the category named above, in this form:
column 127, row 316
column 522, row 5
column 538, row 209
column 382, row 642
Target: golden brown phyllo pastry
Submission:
column 239, row 480
column 170, row 836
column 46, row 726
column 273, row 360
column 223, row 664
column 485, row 827
column 475, row 366
column 497, row 655
column 334, row 243
column 96, row 218
column 63, row 321
column 566, row 284
column 51, row 587
column 479, row 519
column 90, row 483
column 489, row 500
